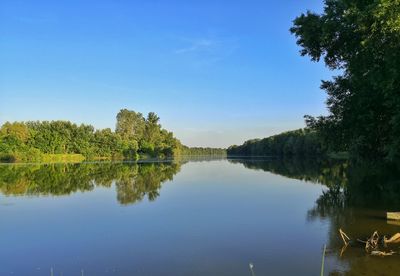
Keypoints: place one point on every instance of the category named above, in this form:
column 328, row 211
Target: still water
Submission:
column 209, row 217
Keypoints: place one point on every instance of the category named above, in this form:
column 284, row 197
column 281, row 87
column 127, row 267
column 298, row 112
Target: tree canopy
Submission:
column 361, row 40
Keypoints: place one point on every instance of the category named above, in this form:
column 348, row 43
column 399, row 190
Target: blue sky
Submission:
column 216, row 72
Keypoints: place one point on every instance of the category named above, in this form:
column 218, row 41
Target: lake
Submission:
column 194, row 217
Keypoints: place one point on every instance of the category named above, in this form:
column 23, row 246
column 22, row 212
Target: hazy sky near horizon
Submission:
column 216, row 72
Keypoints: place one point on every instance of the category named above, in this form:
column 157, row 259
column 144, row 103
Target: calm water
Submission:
column 192, row 218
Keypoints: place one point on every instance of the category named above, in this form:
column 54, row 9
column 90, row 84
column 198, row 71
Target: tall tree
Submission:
column 360, row 39
column 130, row 124
column 152, row 127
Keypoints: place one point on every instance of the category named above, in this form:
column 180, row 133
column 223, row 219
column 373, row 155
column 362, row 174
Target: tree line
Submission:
column 135, row 137
column 200, row 151
column 301, row 142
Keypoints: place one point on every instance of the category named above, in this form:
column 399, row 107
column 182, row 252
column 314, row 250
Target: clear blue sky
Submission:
column 216, row 72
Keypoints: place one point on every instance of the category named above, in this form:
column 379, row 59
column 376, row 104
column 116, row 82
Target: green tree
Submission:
column 360, row 39
column 107, row 144
column 13, row 136
column 153, row 128
column 130, row 125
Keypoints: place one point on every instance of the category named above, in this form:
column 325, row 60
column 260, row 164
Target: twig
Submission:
column 343, row 250
column 344, row 237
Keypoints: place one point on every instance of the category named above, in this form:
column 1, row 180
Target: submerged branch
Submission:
column 373, row 244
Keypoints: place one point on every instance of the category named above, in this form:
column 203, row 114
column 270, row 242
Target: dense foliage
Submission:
column 361, row 40
column 300, row 142
column 134, row 137
column 145, row 136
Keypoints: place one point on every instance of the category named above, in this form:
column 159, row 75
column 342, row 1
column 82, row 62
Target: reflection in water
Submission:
column 349, row 185
column 133, row 181
column 327, row 172
column 360, row 207
column 356, row 199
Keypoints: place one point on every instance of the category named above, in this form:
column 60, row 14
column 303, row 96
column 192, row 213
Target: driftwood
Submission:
column 394, row 239
column 382, row 253
column 373, row 244
column 345, row 238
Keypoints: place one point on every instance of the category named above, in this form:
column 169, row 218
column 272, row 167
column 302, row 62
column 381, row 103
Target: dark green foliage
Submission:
column 300, row 142
column 361, row 39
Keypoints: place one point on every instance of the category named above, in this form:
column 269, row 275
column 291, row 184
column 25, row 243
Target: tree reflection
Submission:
column 327, row 172
column 348, row 184
column 356, row 199
column 145, row 180
column 133, row 181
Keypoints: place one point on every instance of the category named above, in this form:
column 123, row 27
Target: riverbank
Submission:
column 48, row 158
column 78, row 158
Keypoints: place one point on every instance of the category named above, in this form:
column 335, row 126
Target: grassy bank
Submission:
column 50, row 158
column 18, row 157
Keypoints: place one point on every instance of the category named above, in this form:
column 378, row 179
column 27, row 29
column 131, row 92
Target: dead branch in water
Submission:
column 345, row 238
column 372, row 244
column 382, row 253
column 394, row 239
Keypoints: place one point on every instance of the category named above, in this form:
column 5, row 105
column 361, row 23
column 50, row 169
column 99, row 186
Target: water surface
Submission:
column 188, row 218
